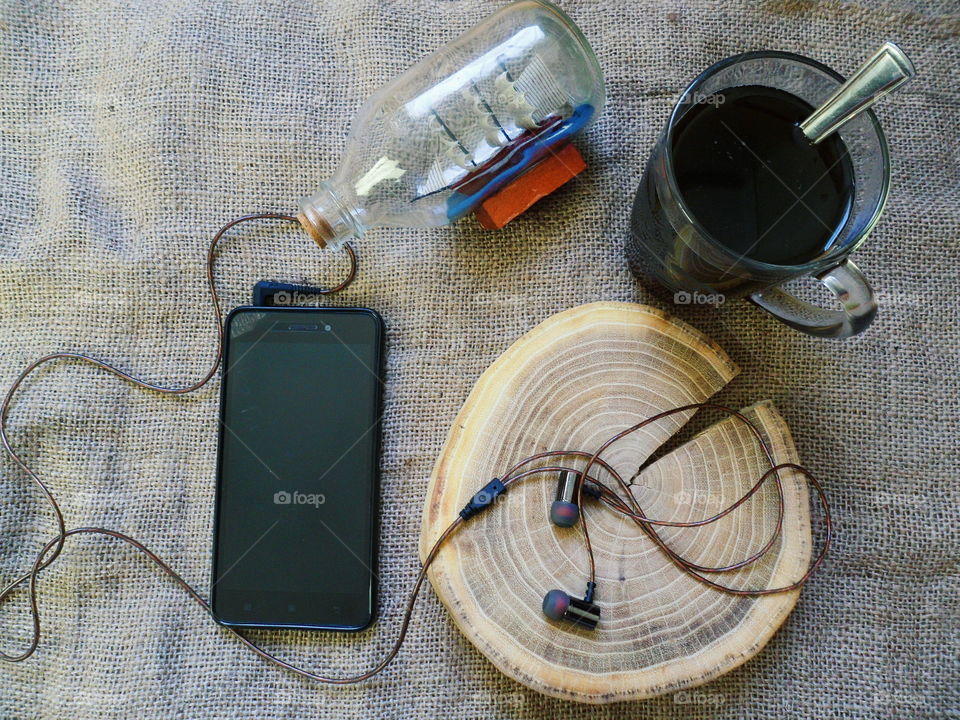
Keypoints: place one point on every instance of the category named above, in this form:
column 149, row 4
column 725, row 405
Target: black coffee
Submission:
column 741, row 165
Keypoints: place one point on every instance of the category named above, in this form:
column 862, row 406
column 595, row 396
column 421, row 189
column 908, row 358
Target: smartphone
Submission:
column 295, row 531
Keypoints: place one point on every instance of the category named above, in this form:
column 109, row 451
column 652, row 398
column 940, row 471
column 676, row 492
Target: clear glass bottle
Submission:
column 431, row 145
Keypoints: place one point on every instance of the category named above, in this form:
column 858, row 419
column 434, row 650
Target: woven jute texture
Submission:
column 131, row 132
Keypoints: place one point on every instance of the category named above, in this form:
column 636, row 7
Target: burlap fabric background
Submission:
column 131, row 133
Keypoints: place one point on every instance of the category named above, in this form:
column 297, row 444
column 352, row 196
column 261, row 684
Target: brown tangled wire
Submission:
column 624, row 503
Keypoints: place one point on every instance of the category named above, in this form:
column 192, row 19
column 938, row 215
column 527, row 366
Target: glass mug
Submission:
column 669, row 245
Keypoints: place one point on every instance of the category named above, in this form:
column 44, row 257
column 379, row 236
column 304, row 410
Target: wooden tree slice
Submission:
column 572, row 382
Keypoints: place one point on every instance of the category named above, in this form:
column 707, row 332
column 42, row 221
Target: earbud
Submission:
column 564, row 512
column 557, row 605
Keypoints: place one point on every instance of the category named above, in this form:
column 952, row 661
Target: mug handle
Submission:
column 852, row 290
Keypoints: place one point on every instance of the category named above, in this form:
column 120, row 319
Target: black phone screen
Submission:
column 295, row 532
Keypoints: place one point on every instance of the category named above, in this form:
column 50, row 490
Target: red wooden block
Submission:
column 537, row 182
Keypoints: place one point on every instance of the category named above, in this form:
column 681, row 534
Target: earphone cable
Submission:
column 625, row 504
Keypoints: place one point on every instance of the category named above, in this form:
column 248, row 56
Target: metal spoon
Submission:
column 888, row 69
